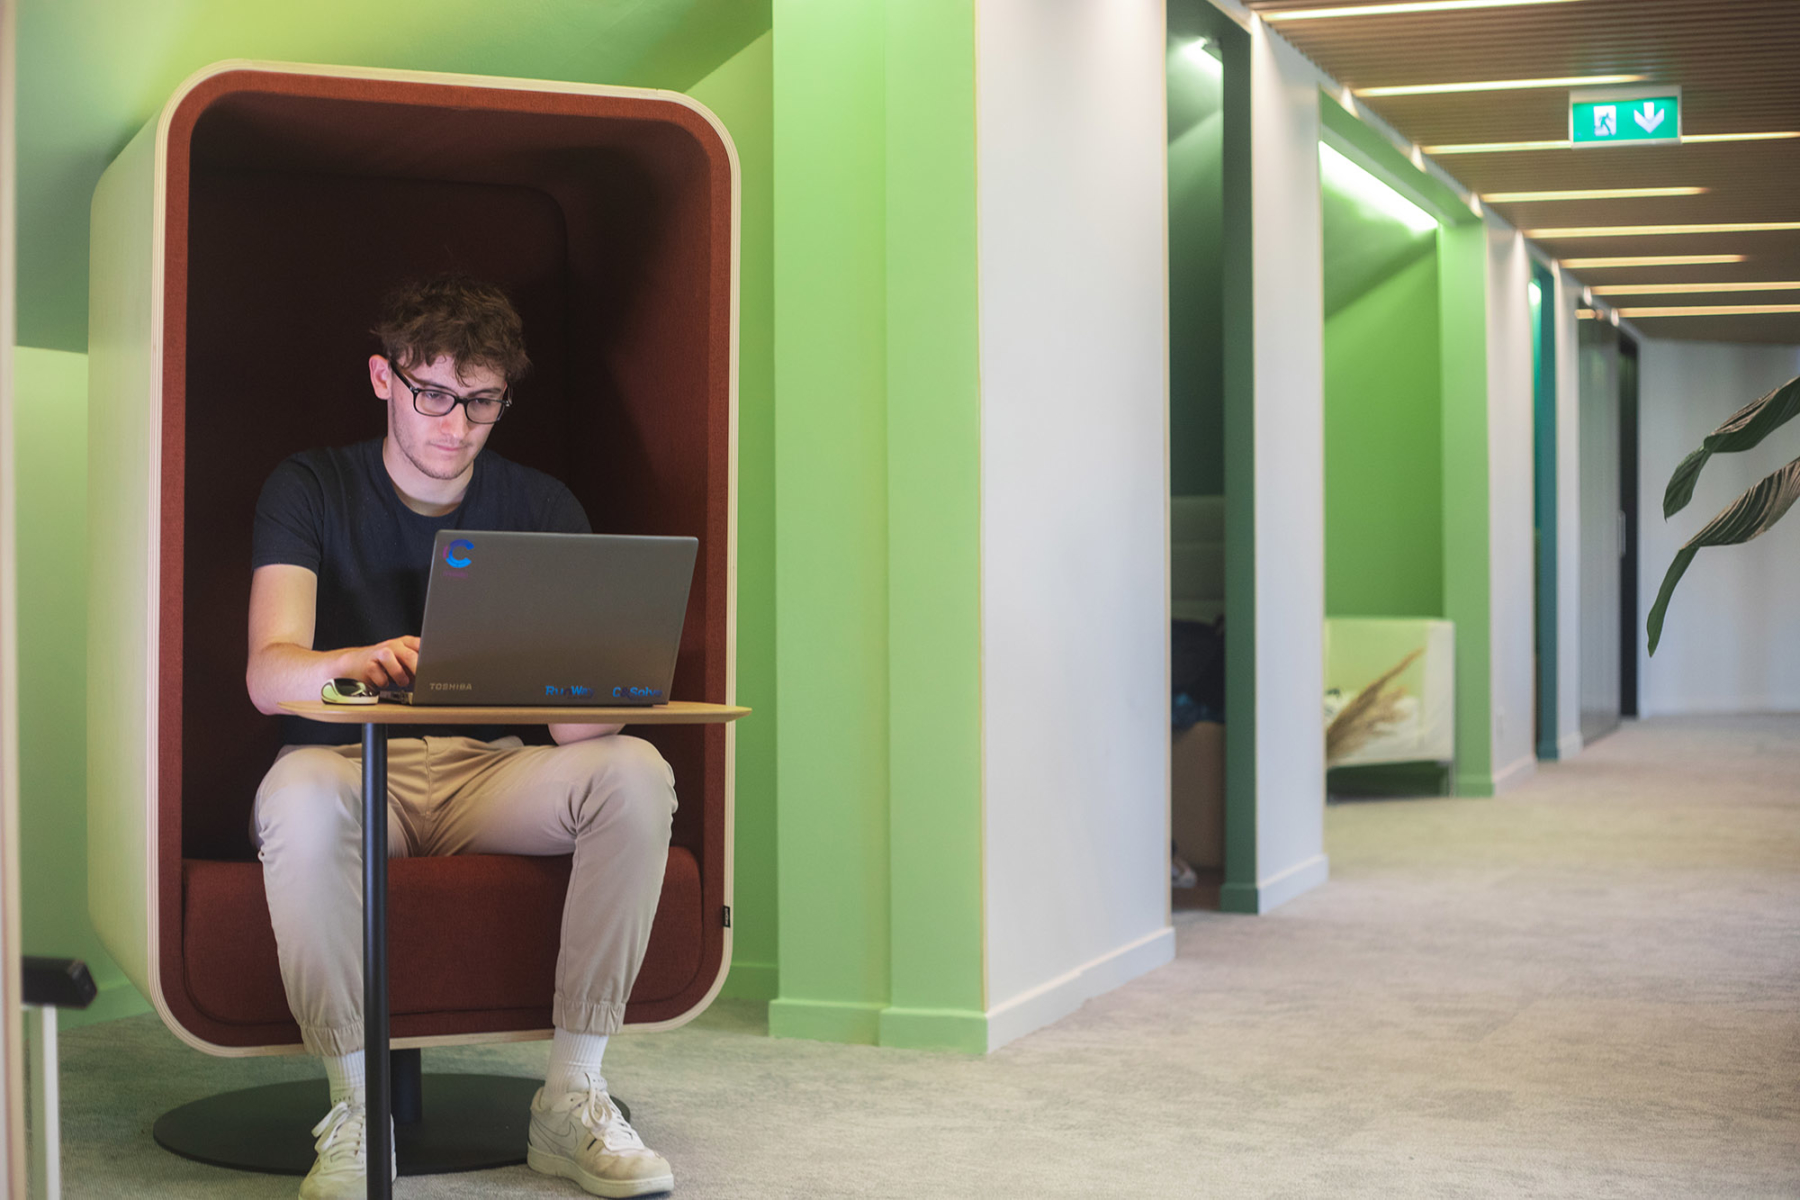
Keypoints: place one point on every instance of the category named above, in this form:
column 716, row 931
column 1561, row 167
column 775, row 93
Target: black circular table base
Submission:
column 468, row 1123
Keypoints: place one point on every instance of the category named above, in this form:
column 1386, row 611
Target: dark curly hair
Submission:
column 472, row 322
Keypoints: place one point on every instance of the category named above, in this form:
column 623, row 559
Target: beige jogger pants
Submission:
column 610, row 800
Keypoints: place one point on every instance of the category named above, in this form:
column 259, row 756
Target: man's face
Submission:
column 439, row 447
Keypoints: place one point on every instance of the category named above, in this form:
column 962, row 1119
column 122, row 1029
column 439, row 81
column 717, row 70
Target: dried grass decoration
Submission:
column 1374, row 710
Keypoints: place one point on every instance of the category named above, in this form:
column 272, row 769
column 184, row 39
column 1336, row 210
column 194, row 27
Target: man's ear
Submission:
column 379, row 377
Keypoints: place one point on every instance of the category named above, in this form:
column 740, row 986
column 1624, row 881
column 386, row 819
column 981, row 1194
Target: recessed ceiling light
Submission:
column 1709, row 310
column 1590, row 194
column 1410, row 6
column 1741, row 137
column 1498, row 85
column 1494, row 147
column 1651, row 260
column 1658, row 289
column 1600, row 231
column 1564, row 144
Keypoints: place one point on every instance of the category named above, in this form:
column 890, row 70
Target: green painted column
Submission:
column 934, row 534
column 1462, row 309
column 877, row 499
column 831, row 518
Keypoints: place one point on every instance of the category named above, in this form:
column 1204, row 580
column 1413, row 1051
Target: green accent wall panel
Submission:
column 878, row 506
column 934, row 532
column 1384, row 539
column 1462, row 308
column 831, row 511
column 741, row 94
column 50, row 425
column 1196, row 251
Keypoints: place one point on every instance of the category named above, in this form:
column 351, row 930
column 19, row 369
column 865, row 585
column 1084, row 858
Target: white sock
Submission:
column 575, row 1062
column 345, row 1073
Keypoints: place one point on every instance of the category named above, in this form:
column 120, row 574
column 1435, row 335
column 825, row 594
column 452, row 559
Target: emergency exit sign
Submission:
column 1625, row 116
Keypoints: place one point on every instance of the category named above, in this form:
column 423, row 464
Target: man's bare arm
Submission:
column 282, row 663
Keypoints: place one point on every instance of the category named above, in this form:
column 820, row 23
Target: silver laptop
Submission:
column 551, row 619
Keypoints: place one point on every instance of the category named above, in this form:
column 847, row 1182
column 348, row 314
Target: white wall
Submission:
column 1072, row 167
column 1287, row 256
column 1511, row 523
column 1568, row 516
column 1731, row 640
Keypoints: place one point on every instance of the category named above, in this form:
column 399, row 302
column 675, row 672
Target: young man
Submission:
column 342, row 545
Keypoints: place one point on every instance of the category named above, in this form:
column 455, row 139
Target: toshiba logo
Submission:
column 452, row 687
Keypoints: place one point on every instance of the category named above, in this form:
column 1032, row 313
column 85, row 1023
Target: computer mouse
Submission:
column 349, row 691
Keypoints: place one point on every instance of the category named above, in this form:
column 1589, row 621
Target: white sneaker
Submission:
column 584, row 1137
column 340, row 1170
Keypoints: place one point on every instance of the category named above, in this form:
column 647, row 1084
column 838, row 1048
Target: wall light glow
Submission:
column 1203, row 53
column 1499, row 85
column 1353, row 181
column 1653, row 260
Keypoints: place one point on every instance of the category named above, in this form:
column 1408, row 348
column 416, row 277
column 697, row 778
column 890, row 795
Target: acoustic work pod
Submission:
column 240, row 244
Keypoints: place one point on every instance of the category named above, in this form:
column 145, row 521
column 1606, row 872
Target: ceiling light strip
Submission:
column 1605, row 231
column 1781, row 135
column 1660, row 289
column 1651, row 260
column 1498, row 85
column 1591, row 194
column 1710, row 310
column 1411, row 6
column 1512, row 147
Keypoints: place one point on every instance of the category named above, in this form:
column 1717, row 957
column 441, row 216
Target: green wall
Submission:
column 50, row 427
column 1384, row 554
column 1196, row 288
column 877, row 501
column 741, row 94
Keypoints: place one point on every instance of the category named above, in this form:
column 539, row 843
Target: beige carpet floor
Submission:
column 1589, row 987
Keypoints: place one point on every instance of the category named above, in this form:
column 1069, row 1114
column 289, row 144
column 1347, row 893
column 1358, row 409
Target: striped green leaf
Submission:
column 1749, row 516
column 1748, row 426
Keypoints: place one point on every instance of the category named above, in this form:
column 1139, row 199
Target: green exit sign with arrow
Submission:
column 1625, row 116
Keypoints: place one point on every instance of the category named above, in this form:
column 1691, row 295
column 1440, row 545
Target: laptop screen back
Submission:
column 560, row 619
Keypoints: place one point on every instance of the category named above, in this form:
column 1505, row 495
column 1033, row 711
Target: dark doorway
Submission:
column 1629, row 626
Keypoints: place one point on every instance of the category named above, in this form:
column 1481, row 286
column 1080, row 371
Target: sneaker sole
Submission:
column 545, row 1163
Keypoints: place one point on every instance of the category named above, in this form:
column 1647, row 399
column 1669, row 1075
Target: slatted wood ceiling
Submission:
column 1738, row 63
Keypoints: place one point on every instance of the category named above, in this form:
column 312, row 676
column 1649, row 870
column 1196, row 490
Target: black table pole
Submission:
column 380, row 1135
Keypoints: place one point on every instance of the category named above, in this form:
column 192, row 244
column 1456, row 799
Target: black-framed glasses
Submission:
column 429, row 401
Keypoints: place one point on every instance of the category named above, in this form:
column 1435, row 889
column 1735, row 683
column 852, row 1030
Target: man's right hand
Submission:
column 392, row 663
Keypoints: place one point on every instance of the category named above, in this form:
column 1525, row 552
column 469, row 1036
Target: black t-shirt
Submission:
column 335, row 512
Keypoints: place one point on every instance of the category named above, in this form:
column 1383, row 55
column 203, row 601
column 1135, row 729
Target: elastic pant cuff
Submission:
column 332, row 1041
column 588, row 1016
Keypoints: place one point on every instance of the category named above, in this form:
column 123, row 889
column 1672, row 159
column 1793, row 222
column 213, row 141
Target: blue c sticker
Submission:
column 458, row 552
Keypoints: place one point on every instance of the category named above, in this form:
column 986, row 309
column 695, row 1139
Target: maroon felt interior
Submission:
column 294, row 201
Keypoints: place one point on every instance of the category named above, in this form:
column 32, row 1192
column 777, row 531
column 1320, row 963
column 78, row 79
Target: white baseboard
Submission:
column 1303, row 876
column 1515, row 773
column 1568, row 746
column 1057, row 998
column 1719, row 706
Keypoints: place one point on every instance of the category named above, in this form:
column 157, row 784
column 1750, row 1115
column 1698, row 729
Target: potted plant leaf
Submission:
column 1752, row 513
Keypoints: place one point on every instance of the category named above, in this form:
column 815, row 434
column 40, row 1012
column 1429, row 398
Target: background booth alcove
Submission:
column 240, row 244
